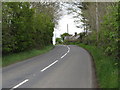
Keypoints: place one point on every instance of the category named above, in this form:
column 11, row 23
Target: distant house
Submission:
column 67, row 37
column 72, row 38
column 76, row 37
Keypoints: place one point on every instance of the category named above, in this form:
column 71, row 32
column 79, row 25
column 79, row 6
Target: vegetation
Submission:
column 106, row 67
column 101, row 37
column 26, row 26
column 29, row 26
column 63, row 35
column 101, row 22
column 17, row 57
column 58, row 41
column 24, row 29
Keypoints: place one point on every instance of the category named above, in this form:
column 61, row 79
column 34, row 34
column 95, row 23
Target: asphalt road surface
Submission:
column 63, row 67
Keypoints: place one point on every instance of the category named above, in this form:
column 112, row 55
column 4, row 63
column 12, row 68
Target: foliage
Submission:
column 103, row 39
column 17, row 57
column 109, row 31
column 63, row 35
column 23, row 28
column 104, row 33
column 106, row 67
column 58, row 41
column 82, row 35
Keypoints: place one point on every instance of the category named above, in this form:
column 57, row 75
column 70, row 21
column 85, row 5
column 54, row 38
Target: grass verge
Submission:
column 106, row 67
column 17, row 57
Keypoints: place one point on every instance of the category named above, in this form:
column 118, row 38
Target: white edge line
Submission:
column 20, row 84
column 49, row 66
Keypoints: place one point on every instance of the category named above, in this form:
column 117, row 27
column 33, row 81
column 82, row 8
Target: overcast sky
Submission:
column 66, row 19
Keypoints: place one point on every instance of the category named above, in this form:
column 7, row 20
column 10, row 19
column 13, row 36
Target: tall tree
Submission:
column 27, row 25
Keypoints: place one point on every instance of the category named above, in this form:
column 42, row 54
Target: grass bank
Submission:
column 17, row 57
column 106, row 67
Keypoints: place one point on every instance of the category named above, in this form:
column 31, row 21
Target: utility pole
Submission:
column 67, row 29
column 97, row 24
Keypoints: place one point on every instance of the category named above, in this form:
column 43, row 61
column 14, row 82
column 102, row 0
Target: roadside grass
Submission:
column 17, row 57
column 106, row 67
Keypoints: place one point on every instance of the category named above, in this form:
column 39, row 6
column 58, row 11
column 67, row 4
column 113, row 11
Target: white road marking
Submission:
column 66, row 53
column 20, row 84
column 49, row 66
column 68, row 48
column 41, row 70
column 56, row 60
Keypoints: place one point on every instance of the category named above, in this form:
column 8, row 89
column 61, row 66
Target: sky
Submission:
column 66, row 19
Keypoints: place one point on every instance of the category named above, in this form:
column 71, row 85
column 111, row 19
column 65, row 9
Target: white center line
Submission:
column 66, row 53
column 20, row 84
column 68, row 48
column 49, row 66
column 41, row 70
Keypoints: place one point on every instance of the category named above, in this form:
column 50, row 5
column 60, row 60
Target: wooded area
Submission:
column 101, row 25
column 27, row 25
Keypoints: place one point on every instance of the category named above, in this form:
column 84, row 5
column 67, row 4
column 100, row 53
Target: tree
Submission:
column 58, row 41
column 25, row 26
column 16, row 20
column 63, row 35
column 102, row 16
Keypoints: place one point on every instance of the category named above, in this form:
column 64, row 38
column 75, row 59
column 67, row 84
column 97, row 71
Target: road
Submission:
column 63, row 67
